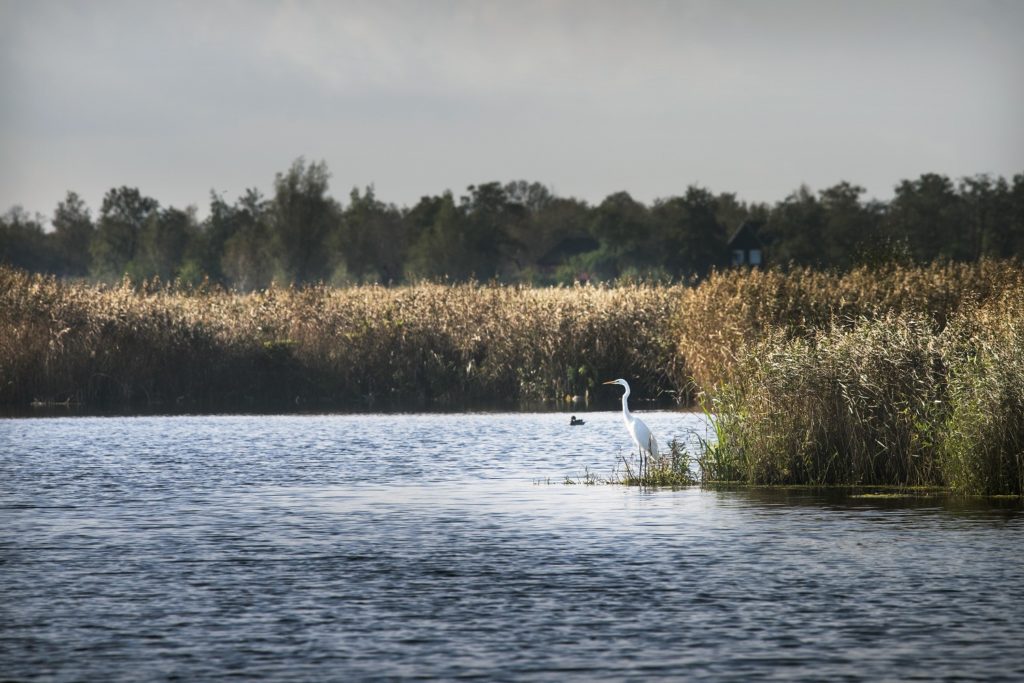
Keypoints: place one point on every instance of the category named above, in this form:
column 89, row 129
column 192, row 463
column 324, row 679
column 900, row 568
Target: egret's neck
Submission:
column 625, row 407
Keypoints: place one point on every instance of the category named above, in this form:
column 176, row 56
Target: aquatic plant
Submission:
column 982, row 445
column 671, row 469
column 850, row 406
column 896, row 400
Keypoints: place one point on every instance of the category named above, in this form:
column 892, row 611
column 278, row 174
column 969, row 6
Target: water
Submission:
column 448, row 546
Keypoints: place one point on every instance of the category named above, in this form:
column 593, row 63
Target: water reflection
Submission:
column 350, row 547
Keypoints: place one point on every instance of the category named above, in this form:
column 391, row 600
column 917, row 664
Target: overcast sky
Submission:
column 178, row 98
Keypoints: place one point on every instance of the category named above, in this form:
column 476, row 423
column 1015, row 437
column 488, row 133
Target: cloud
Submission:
column 592, row 96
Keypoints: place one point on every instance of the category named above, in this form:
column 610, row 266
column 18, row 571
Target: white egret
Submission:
column 642, row 436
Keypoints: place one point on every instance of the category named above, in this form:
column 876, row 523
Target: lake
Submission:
column 363, row 547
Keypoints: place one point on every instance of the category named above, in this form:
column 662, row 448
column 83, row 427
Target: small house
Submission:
column 745, row 247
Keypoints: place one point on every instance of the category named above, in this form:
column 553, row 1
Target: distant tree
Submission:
column 303, row 218
column 372, row 238
column 929, row 215
column 73, row 233
column 163, row 241
column 220, row 225
column 795, row 229
column 533, row 197
column 623, row 227
column 693, row 237
column 471, row 238
column 492, row 219
column 987, row 210
column 248, row 261
column 442, row 248
column 538, row 220
column 23, row 243
column 123, row 213
column 517, row 231
column 1014, row 242
column 730, row 211
column 851, row 227
column 543, row 236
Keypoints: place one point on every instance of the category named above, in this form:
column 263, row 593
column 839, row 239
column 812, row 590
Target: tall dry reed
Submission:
column 734, row 309
column 982, row 446
column 893, row 400
column 427, row 343
column 846, row 405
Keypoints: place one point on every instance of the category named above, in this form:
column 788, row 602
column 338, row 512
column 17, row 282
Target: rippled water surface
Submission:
column 447, row 546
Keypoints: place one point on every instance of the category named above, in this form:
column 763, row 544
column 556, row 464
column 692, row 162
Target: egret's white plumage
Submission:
column 641, row 434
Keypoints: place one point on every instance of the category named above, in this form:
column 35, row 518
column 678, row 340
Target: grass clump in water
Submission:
column 672, row 469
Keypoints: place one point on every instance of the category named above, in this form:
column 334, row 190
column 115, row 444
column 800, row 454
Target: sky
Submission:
column 588, row 97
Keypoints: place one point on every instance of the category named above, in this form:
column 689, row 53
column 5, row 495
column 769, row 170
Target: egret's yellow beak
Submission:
column 611, row 381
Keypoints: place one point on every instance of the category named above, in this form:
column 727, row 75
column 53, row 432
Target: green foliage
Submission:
column 163, row 241
column 442, row 249
column 372, row 240
column 123, row 215
column 23, row 244
column 624, row 228
column 302, row 219
column 694, row 239
column 248, row 261
column 514, row 232
column 928, row 212
column 982, row 444
column 73, row 233
column 847, row 405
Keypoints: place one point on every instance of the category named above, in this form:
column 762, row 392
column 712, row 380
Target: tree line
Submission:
column 513, row 232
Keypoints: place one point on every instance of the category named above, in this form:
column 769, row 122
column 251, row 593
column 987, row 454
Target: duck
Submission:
column 575, row 422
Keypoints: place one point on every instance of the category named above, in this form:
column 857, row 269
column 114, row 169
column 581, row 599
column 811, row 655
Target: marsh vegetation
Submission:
column 915, row 378
column 905, row 375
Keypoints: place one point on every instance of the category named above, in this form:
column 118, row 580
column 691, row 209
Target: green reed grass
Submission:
column 982, row 443
column 843, row 406
column 901, row 399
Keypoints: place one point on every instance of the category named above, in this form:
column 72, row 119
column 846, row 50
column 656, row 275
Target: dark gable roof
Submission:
column 746, row 237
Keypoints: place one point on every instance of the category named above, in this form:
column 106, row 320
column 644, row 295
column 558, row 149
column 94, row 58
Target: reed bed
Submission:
column 907, row 376
column 890, row 401
column 733, row 309
column 981, row 445
column 151, row 343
